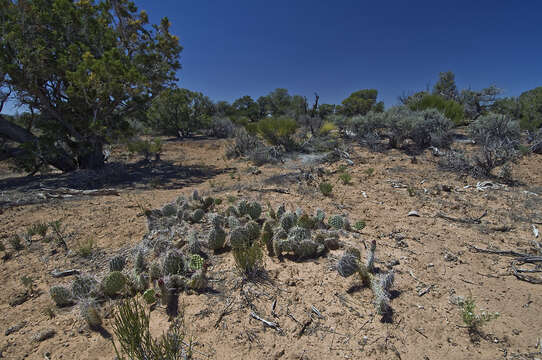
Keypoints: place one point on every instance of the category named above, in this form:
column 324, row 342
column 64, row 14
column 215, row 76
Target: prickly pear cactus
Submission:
column 139, row 265
column 216, row 238
column 320, row 215
column 197, row 215
column 242, row 207
column 232, row 211
column 155, row 271
column 117, row 263
column 254, row 210
column 174, row 263
column 195, row 196
column 196, row 262
column 84, row 286
column 169, row 210
column 239, row 238
column 267, row 236
column 252, row 230
column 336, row 221
column 197, row 281
column 61, row 295
column 287, row 221
column 298, row 233
column 369, row 264
column 280, row 211
column 381, row 296
column 348, row 264
column 149, row 296
column 307, row 249
column 113, row 283
column 306, row 221
column 194, row 245
column 216, row 220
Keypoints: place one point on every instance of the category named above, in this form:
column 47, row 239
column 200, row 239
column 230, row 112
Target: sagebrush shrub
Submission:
column 278, row 131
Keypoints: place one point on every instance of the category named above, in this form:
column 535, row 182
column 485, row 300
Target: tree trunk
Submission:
column 92, row 156
column 60, row 159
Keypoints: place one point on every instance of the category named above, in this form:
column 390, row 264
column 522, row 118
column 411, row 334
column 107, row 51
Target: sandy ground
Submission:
column 431, row 256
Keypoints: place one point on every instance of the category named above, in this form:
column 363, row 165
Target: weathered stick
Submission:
column 266, row 322
column 62, row 273
column 463, row 221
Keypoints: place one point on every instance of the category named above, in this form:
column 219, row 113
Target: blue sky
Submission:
column 250, row 47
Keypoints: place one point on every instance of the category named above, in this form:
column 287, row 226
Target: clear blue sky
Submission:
column 250, row 47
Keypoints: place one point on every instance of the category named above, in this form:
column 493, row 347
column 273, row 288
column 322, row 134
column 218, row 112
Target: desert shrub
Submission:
column 86, row 247
column 346, row 178
column 221, row 127
column 15, row 242
column 369, row 128
column 278, row 131
column 431, row 128
column 494, row 127
column 265, row 155
column 399, row 123
column 38, row 228
column 449, row 108
column 473, row 320
column 146, row 148
column 248, row 259
column 325, row 188
column 326, row 128
column 498, row 137
column 359, row 225
column 132, row 332
column 243, row 144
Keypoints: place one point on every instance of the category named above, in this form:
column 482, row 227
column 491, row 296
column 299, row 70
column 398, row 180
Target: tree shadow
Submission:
column 140, row 175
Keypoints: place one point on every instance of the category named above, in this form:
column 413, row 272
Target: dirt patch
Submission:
column 431, row 256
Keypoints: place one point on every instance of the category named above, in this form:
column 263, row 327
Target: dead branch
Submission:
column 62, row 273
column 280, row 191
column 518, row 272
column 497, row 252
column 224, row 312
column 265, row 322
column 462, row 220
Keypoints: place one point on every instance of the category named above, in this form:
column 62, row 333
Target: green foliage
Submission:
column 370, row 171
column 146, row 148
column 278, row 131
column 149, row 296
column 472, row 319
column 361, row 102
column 530, row 105
column 326, row 128
column 360, row 225
column 38, row 228
column 196, row 262
column 345, row 177
column 180, row 112
column 61, row 295
column 325, row 188
column 254, row 210
column 337, row 222
column 132, row 333
column 113, row 283
column 248, row 259
column 445, row 87
column 449, row 108
column 16, row 242
column 86, row 248
column 97, row 63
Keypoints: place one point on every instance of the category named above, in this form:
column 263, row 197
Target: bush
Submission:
column 345, row 178
column 248, row 259
column 222, row 127
column 243, row 144
column 326, row 128
column 449, row 108
column 431, row 128
column 326, row 188
column 278, row 131
column 147, row 148
column 399, row 122
column 369, row 128
column 132, row 332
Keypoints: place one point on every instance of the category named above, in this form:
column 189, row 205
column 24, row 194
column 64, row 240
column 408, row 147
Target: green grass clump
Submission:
column 326, row 188
column 359, row 225
column 248, row 259
column 346, row 178
column 86, row 248
column 473, row 320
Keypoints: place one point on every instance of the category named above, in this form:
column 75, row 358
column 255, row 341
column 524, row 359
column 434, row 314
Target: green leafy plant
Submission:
column 472, row 319
column 16, row 243
column 248, row 259
column 132, row 332
column 326, row 188
column 370, row 171
column 86, row 247
column 346, row 178
column 278, row 131
column 38, row 228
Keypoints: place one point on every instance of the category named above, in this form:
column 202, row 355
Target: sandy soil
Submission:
column 431, row 256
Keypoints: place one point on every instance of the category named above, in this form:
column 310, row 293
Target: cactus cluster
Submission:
column 173, row 263
column 381, row 284
column 117, row 263
column 113, row 283
column 61, row 295
column 84, row 286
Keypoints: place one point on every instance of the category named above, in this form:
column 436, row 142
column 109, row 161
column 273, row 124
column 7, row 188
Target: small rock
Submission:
column 44, row 335
column 413, row 213
column 291, row 283
column 450, row 257
column 279, row 354
column 15, row 328
column 430, row 265
column 515, row 332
